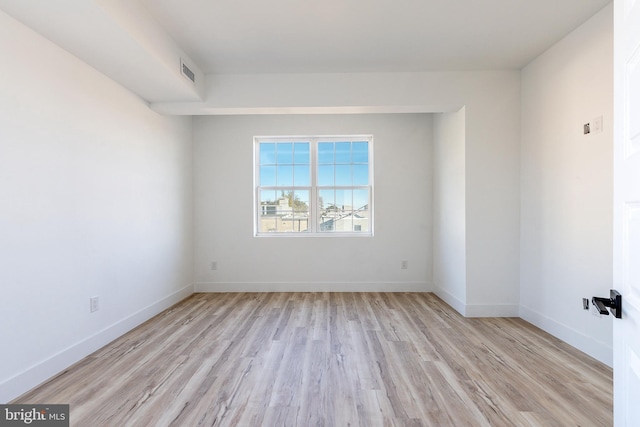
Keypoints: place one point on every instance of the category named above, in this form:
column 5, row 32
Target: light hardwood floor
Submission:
column 331, row 359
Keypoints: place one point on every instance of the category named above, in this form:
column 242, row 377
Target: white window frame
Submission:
column 313, row 140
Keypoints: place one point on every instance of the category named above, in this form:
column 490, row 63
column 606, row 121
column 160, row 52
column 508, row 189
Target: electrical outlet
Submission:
column 214, row 265
column 596, row 125
column 404, row 265
column 94, row 304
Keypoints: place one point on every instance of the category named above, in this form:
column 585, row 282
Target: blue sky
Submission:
column 287, row 164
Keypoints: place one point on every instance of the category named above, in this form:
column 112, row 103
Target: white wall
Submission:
column 492, row 131
column 223, row 148
column 96, row 200
column 449, row 211
column 491, row 199
column 566, row 220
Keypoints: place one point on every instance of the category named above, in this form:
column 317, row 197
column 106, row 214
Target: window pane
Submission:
column 325, row 175
column 300, row 201
column 325, row 152
column 278, row 211
column 285, row 153
column 361, row 221
column 360, row 152
column 267, row 219
column 343, row 152
column 267, row 176
column 285, row 176
column 299, row 223
column 361, row 210
column 326, row 224
column 360, row 174
column 267, row 153
column 327, row 199
column 343, row 175
column 301, row 176
column 300, row 204
column 344, row 222
column 327, row 210
column 268, row 196
column 344, row 199
column 301, row 153
column 360, row 199
column 268, row 224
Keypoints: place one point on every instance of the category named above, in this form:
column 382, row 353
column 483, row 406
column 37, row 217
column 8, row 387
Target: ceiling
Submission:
column 303, row 36
column 141, row 44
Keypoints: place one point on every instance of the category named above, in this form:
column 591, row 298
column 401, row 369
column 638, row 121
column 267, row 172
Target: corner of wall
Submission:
column 454, row 302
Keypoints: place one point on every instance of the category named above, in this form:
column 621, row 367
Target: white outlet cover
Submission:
column 94, row 304
column 596, row 125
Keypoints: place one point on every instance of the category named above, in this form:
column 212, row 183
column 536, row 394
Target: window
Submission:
column 313, row 186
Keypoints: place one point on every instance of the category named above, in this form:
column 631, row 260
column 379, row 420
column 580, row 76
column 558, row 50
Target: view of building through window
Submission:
column 314, row 185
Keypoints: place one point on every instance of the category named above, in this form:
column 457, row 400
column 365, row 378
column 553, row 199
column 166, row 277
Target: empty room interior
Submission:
column 159, row 266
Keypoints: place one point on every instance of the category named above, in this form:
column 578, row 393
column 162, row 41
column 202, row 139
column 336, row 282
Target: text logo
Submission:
column 34, row 415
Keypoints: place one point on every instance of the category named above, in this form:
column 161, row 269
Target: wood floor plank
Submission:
column 331, row 359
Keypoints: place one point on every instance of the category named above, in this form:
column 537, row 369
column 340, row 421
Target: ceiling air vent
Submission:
column 186, row 71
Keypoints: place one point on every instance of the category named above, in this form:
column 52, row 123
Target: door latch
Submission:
column 614, row 303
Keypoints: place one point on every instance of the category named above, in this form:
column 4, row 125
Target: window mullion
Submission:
column 313, row 202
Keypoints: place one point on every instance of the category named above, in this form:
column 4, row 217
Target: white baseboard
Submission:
column 313, row 287
column 477, row 310
column 585, row 343
column 453, row 301
column 42, row 371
